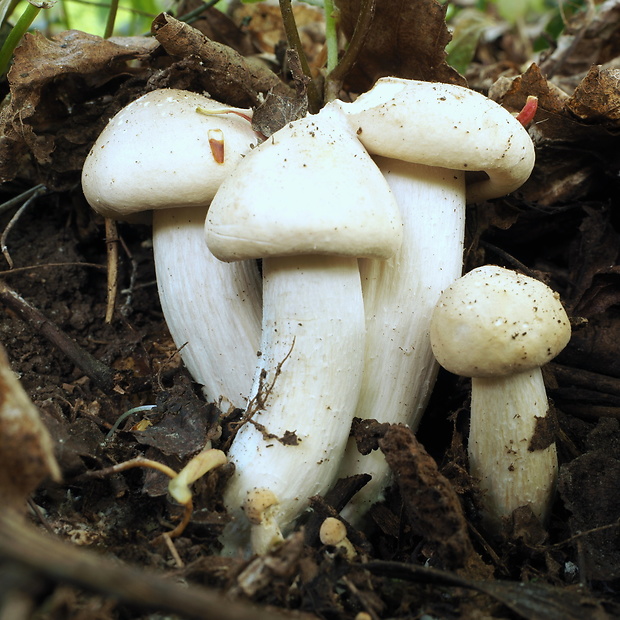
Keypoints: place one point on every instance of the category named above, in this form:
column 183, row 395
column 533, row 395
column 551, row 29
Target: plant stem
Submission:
column 331, row 35
column 22, row 25
column 193, row 15
column 334, row 79
column 294, row 42
column 109, row 26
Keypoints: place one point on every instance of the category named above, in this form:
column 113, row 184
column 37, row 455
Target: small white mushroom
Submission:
column 326, row 204
column 499, row 327
column 158, row 153
column 260, row 507
column 333, row 532
column 426, row 137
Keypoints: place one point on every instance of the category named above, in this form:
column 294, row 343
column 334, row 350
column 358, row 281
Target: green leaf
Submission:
column 469, row 25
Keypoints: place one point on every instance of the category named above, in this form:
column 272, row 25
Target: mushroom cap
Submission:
column 257, row 503
column 311, row 188
column 497, row 322
column 332, row 531
column 156, row 153
column 446, row 126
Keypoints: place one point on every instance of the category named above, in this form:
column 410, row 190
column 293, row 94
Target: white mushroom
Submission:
column 260, row 507
column 326, row 205
column 426, row 137
column 160, row 154
column 499, row 327
column 333, row 533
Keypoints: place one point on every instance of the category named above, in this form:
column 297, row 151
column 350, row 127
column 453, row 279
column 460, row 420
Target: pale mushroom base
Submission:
column 305, row 391
column 504, row 415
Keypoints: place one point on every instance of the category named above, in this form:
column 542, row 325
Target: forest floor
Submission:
column 562, row 227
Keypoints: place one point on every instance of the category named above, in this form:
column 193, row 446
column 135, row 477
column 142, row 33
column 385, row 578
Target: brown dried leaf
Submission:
column 570, row 152
column 597, row 98
column 431, row 502
column 38, row 60
column 602, row 294
column 48, row 117
column 594, row 346
column 229, row 76
column 264, row 25
column 183, row 430
column 275, row 111
column 512, row 94
column 406, row 39
column 26, row 454
column 75, row 440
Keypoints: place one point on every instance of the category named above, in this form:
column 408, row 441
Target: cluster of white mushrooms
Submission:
column 357, row 214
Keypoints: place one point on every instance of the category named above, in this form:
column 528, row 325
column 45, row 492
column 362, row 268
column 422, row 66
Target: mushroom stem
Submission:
column 511, row 472
column 333, row 533
column 399, row 296
column 212, row 309
column 260, row 508
column 305, row 389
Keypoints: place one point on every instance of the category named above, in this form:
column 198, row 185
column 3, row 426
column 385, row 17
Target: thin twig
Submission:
column 173, row 551
column 31, row 198
column 193, row 15
column 111, row 240
column 7, row 230
column 258, row 402
column 17, row 200
column 11, row 272
column 509, row 258
column 109, row 26
column 133, row 276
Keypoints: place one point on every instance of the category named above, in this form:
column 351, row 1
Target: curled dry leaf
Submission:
column 231, row 77
column 575, row 135
column 49, row 116
column 593, row 271
column 185, row 425
column 26, row 455
column 597, row 98
column 65, row 89
column 430, row 501
column 406, row 39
